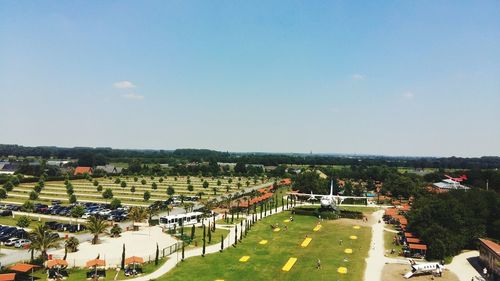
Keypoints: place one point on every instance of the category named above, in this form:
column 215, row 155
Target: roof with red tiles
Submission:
column 492, row 245
column 417, row 246
column 83, row 170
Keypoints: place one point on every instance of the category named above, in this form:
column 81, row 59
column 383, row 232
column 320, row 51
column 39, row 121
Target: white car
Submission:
column 11, row 241
column 105, row 212
column 86, row 216
column 22, row 242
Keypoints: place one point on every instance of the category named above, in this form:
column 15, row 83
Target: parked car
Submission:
column 11, row 241
column 22, row 242
column 6, row 213
column 20, row 233
column 51, row 225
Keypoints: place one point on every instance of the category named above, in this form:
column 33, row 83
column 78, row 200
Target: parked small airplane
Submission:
column 424, row 268
column 327, row 200
column 459, row 179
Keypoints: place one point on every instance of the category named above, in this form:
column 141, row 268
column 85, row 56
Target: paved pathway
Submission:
column 462, row 267
column 376, row 260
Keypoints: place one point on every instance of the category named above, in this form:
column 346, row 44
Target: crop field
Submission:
column 130, row 190
column 253, row 259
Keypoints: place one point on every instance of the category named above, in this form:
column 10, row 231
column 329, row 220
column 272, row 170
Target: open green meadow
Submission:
column 266, row 261
column 132, row 191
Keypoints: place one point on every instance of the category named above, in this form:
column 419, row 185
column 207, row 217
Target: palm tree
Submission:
column 115, row 230
column 42, row 239
column 137, row 214
column 188, row 206
column 153, row 212
column 96, row 226
column 72, row 244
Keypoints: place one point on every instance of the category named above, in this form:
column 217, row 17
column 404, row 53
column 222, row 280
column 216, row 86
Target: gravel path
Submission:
column 462, row 267
column 375, row 261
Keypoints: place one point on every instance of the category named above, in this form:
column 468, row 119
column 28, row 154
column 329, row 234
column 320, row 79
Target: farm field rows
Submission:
column 87, row 191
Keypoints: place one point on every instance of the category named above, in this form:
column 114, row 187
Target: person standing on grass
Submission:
column 318, row 264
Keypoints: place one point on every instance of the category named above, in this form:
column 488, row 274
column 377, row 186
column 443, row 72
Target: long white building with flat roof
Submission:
column 450, row 185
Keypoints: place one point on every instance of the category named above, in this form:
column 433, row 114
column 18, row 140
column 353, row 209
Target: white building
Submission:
column 450, row 184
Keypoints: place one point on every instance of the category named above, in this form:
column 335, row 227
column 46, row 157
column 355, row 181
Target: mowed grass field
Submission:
column 266, row 261
column 85, row 190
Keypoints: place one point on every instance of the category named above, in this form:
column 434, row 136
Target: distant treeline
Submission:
column 99, row 156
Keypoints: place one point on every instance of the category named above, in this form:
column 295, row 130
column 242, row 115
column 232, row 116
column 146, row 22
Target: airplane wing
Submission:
column 310, row 195
column 353, row 197
column 341, row 198
column 408, row 275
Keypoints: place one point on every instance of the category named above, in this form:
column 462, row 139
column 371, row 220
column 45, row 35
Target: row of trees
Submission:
column 99, row 156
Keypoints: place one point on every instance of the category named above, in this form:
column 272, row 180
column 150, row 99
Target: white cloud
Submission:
column 358, row 77
column 408, row 95
column 133, row 96
column 123, row 85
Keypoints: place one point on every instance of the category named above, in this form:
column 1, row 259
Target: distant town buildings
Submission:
column 8, row 168
column 109, row 169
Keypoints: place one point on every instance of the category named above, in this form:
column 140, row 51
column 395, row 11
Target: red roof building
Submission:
column 286, row 181
column 80, row 170
column 8, row 277
column 413, row 240
column 417, row 246
column 489, row 255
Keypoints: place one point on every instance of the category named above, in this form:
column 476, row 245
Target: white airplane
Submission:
column 424, row 268
column 327, row 200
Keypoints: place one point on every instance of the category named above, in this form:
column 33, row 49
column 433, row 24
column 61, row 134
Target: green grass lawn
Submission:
column 235, row 220
column 198, row 236
column 388, row 244
column 78, row 274
column 267, row 260
column 367, row 210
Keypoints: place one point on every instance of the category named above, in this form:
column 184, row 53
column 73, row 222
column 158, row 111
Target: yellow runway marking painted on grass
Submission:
column 348, row 251
column 353, row 237
column 342, row 270
column 306, row 242
column 244, row 258
column 289, row 264
column 286, row 221
column 276, row 229
column 356, row 227
column 263, row 242
column 316, row 228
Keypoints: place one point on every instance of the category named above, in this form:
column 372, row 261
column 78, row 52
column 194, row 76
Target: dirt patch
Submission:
column 395, row 272
column 371, row 220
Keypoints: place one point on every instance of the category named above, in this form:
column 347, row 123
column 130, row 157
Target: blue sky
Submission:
column 366, row 77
